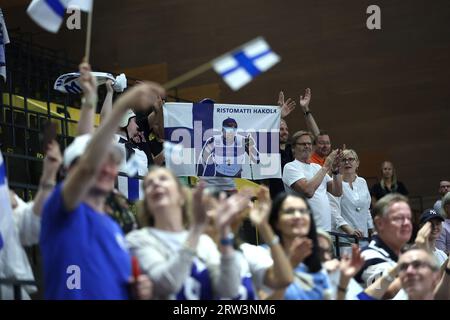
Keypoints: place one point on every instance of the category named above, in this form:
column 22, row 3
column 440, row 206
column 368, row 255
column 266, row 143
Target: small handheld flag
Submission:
column 4, row 39
column 242, row 65
column 49, row 14
column 237, row 67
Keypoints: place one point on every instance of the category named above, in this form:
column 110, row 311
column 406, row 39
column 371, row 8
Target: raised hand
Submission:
column 228, row 208
column 259, row 213
column 331, row 159
column 423, row 236
column 52, row 161
column 305, row 100
column 286, row 106
column 143, row 96
column 109, row 86
column 199, row 214
column 350, row 266
column 301, row 248
column 88, row 83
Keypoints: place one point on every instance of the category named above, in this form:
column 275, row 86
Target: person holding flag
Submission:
column 83, row 249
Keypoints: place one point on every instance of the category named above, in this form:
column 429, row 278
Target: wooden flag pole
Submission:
column 199, row 70
column 87, row 48
column 188, row 75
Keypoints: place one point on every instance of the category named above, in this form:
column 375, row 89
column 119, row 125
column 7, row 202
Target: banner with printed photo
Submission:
column 222, row 140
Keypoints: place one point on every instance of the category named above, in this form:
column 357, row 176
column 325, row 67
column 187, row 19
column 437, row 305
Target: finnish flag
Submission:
column 240, row 67
column 4, row 39
column 49, row 14
column 131, row 187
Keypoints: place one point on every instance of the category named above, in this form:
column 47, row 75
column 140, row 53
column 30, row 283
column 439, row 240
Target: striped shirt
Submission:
column 379, row 259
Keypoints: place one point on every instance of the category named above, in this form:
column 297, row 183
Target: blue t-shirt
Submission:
column 308, row 286
column 84, row 253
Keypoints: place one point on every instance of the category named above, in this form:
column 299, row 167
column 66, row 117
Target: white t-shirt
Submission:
column 320, row 205
column 440, row 256
column 259, row 260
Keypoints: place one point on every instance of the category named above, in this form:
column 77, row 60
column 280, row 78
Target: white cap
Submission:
column 126, row 118
column 78, row 147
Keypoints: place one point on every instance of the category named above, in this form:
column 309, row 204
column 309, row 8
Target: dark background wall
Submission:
column 384, row 93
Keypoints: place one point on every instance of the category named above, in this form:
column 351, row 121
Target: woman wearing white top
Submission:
column 184, row 265
column 351, row 212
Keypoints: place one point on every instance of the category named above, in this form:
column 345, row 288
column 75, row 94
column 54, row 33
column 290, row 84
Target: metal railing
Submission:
column 337, row 241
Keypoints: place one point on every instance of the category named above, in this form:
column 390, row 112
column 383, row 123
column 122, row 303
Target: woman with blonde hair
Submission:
column 184, row 264
column 388, row 183
column 351, row 212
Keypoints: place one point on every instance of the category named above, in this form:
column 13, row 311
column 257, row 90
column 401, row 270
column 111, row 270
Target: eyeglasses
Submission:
column 401, row 219
column 294, row 210
column 322, row 143
column 304, row 144
column 349, row 160
column 416, row 264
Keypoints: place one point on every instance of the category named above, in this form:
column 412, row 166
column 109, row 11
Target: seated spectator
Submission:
column 388, row 183
column 444, row 187
column 392, row 219
column 78, row 240
column 443, row 241
column 351, row 210
column 292, row 220
column 430, row 229
column 184, row 264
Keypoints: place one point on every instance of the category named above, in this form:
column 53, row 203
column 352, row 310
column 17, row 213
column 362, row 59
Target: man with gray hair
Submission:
column 392, row 219
column 312, row 180
column 418, row 273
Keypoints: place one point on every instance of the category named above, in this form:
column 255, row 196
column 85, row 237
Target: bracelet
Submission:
column 47, row 185
column 307, row 112
column 275, row 240
column 228, row 240
column 341, row 289
column 91, row 103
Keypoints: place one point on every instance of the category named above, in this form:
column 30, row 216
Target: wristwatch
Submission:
column 228, row 240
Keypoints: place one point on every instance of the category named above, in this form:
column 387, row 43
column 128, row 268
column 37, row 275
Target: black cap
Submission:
column 207, row 100
column 429, row 214
column 229, row 123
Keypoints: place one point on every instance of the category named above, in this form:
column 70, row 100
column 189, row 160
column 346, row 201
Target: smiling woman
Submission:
column 183, row 264
column 292, row 220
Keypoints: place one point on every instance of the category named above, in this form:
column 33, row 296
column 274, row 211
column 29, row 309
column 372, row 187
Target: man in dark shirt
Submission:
column 276, row 185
